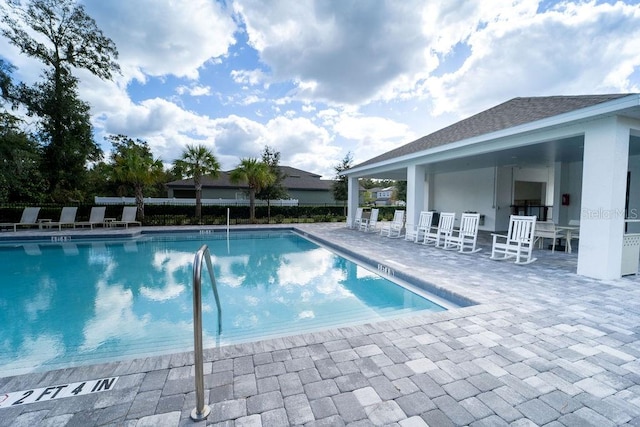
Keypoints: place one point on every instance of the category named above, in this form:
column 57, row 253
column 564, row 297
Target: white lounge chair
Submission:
column 424, row 224
column 29, row 218
column 393, row 229
column 128, row 217
column 464, row 239
column 67, row 217
column 437, row 235
column 518, row 242
column 547, row 230
column 356, row 220
column 96, row 217
column 370, row 224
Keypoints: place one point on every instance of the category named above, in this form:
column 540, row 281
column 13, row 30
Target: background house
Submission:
column 379, row 196
column 306, row 187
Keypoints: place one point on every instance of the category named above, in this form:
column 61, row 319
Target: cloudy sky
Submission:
column 318, row 79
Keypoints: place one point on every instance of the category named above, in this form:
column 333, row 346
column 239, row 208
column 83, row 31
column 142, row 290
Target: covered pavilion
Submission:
column 559, row 157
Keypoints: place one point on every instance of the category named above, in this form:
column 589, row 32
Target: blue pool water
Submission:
column 75, row 303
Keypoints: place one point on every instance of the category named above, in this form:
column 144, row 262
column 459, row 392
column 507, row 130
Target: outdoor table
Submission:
column 44, row 222
column 569, row 229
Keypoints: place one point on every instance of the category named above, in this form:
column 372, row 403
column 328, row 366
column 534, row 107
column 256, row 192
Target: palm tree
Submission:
column 132, row 163
column 197, row 161
column 257, row 175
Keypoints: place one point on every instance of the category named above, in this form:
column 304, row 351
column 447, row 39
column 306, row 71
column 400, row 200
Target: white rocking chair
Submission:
column 438, row 235
column 465, row 238
column 518, row 243
column 394, row 228
column 424, row 224
column 370, row 224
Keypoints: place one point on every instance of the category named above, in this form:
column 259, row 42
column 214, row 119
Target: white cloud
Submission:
column 373, row 135
column 249, row 77
column 194, row 90
column 251, row 99
column 159, row 38
column 341, row 52
column 574, row 49
column 359, row 128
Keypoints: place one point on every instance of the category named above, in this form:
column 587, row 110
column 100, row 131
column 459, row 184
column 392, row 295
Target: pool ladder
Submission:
column 201, row 411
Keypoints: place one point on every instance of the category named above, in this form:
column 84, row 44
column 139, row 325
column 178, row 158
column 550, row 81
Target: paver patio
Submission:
column 543, row 346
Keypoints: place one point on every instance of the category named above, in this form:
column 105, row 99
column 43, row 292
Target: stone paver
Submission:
column 533, row 345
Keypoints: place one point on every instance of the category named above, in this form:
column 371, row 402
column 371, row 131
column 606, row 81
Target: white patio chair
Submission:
column 393, row 229
column 464, row 239
column 424, row 223
column 437, row 235
column 547, row 230
column 370, row 224
column 518, row 242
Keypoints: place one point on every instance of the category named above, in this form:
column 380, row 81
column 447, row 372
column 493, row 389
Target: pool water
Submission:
column 70, row 304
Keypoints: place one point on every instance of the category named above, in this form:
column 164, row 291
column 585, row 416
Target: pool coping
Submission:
column 390, row 272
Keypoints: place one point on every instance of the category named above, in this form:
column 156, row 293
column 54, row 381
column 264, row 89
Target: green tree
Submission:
column 275, row 190
column 400, row 192
column 197, row 161
column 132, row 163
column 20, row 158
column 257, row 175
column 63, row 37
column 100, row 182
column 340, row 186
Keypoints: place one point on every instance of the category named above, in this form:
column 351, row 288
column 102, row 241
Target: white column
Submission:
column 429, row 192
column 353, row 198
column 415, row 194
column 559, row 211
column 604, row 180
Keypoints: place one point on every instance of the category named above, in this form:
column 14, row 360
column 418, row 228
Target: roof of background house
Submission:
column 296, row 179
column 512, row 113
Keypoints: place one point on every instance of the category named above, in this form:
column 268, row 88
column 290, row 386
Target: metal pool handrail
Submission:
column 201, row 411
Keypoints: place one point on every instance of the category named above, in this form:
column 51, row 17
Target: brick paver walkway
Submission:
column 543, row 346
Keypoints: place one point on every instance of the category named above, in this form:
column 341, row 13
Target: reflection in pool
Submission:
column 76, row 303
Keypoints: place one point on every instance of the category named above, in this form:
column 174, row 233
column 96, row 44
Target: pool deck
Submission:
column 543, row 346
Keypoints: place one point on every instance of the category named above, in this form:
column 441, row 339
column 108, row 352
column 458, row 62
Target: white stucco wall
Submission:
column 571, row 184
column 504, row 198
column 466, row 191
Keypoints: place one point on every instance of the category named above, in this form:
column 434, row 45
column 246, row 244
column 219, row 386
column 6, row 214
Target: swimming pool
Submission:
column 74, row 303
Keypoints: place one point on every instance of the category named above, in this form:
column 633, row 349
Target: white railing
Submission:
column 190, row 202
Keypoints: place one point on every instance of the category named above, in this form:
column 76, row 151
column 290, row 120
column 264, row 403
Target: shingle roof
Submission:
column 512, row 113
column 296, row 180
